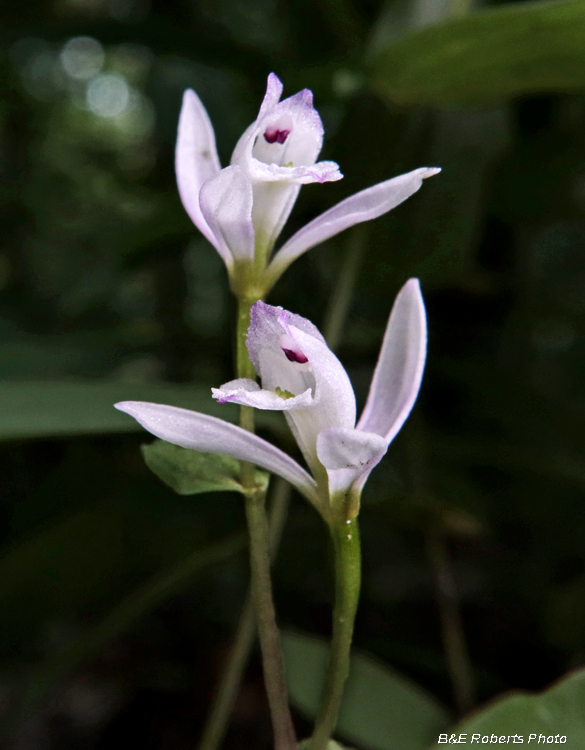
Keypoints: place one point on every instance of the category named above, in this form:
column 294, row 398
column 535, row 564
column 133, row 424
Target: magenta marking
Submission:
column 276, row 136
column 293, row 356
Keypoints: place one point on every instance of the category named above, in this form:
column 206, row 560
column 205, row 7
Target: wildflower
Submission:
column 302, row 377
column 242, row 209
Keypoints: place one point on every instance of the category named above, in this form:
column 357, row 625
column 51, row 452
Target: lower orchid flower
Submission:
column 302, row 377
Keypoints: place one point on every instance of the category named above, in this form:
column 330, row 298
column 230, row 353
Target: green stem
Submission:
column 272, row 658
column 218, row 720
column 346, row 549
column 245, row 370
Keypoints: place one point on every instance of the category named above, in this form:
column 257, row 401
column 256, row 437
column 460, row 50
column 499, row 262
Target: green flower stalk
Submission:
column 302, row 377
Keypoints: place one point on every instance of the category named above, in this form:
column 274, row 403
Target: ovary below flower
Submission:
column 242, row 208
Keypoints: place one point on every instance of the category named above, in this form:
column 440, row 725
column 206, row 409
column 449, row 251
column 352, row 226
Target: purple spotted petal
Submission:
column 278, row 154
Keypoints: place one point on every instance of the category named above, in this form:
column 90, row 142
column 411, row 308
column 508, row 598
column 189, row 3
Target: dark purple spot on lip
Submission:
column 293, row 356
column 276, row 136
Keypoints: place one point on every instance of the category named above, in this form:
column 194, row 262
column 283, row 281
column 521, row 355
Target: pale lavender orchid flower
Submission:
column 242, row 209
column 301, row 376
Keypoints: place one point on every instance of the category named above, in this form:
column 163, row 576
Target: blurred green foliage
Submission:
column 556, row 713
column 107, row 292
column 380, row 710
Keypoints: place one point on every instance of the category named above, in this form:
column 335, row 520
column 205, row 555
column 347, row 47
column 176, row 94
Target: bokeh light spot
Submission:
column 108, row 95
column 82, row 57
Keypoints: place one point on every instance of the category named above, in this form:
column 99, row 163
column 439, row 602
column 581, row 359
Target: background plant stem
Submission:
column 231, row 678
column 342, row 294
column 347, row 555
column 261, row 586
column 452, row 631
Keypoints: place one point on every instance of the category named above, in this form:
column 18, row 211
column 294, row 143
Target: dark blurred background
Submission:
column 108, row 292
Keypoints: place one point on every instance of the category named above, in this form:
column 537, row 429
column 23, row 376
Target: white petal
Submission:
column 226, row 205
column 322, row 171
column 266, row 328
column 196, row 158
column 289, row 353
column 346, row 454
column 363, row 206
column 248, row 393
column 400, row 366
column 281, row 148
column 272, row 96
column 333, row 397
column 201, row 432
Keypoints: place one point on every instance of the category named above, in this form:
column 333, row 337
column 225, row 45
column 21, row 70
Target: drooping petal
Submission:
column 363, row 206
column 346, row 454
column 196, row 158
column 248, row 393
column 400, row 366
column 201, row 432
column 226, row 205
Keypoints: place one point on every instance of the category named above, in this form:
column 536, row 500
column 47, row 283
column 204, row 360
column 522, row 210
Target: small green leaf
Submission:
column 381, row 709
column 487, row 55
column 557, row 711
column 189, row 472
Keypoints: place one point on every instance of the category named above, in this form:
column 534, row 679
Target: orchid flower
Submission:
column 242, row 209
column 302, row 377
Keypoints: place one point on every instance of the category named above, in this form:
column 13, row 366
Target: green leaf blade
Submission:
column 487, row 56
column 381, row 709
column 558, row 710
column 190, row 472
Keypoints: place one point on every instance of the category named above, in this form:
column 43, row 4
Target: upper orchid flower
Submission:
column 242, row 209
column 301, row 376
